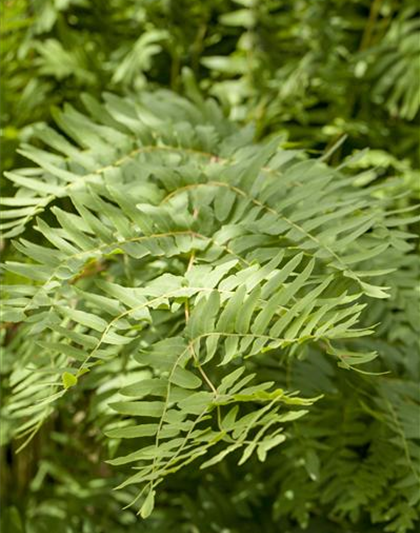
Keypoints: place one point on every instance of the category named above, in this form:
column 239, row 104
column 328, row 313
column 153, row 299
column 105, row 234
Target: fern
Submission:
column 398, row 69
column 170, row 240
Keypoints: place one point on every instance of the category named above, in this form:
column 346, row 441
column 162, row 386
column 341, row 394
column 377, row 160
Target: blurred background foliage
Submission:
column 315, row 70
column 320, row 73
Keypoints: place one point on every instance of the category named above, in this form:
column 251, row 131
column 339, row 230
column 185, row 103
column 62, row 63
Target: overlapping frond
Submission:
column 167, row 234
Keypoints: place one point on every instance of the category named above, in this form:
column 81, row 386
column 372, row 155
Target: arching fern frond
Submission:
column 168, row 235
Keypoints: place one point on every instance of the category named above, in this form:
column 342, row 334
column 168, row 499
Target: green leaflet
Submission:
column 69, row 380
column 185, row 379
column 152, row 409
column 86, row 319
column 148, row 504
column 145, row 387
column 164, row 355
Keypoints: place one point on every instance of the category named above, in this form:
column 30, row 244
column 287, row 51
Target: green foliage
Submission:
column 397, row 67
column 280, row 65
column 183, row 252
column 210, row 303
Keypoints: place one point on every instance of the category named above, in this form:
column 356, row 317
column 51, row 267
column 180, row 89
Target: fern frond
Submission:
column 209, row 253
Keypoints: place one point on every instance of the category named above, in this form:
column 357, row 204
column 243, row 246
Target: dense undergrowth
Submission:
column 210, row 274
